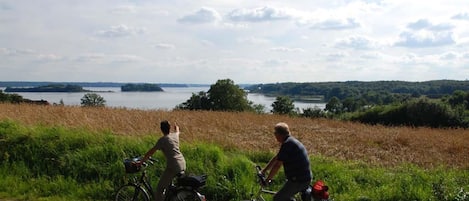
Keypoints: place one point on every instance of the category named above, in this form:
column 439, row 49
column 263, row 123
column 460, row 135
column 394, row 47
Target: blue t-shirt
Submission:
column 295, row 160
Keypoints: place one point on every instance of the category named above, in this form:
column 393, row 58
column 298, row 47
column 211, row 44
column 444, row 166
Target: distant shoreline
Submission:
column 90, row 84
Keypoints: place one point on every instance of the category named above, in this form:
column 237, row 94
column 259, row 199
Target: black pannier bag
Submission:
column 192, row 181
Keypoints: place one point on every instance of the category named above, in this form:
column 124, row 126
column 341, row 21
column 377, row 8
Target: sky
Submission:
column 247, row 41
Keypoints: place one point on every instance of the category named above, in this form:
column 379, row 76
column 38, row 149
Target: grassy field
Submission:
column 75, row 153
column 377, row 145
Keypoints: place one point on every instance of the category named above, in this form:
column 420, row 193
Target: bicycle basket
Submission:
column 130, row 166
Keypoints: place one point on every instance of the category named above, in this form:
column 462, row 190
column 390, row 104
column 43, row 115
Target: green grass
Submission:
column 56, row 163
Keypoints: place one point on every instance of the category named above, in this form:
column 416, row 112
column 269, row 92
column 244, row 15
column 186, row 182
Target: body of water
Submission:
column 166, row 100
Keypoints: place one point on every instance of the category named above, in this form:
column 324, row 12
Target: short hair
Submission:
column 282, row 129
column 165, row 127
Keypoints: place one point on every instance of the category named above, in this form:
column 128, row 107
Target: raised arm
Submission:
column 176, row 127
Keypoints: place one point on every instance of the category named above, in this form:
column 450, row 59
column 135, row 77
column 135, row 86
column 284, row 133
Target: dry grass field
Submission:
column 378, row 145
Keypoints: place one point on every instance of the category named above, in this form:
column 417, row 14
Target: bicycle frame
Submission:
column 262, row 190
column 142, row 183
column 258, row 195
column 146, row 184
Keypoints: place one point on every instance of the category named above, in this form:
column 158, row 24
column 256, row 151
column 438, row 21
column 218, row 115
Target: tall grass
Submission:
column 377, row 145
column 57, row 163
column 74, row 153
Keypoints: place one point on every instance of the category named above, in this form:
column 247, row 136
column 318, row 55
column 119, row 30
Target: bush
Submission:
column 421, row 112
column 314, row 113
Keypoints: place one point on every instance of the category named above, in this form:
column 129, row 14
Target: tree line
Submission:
column 141, row 87
column 443, row 104
column 374, row 107
column 48, row 88
column 377, row 92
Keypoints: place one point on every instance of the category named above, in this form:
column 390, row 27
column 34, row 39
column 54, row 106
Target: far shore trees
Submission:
column 141, row 87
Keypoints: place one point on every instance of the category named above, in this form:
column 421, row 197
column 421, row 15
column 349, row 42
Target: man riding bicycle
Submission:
column 294, row 158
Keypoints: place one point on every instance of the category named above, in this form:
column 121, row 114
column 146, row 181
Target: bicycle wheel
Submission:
column 132, row 192
column 184, row 195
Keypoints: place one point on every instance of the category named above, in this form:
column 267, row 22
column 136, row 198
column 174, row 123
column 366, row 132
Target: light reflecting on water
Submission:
column 166, row 100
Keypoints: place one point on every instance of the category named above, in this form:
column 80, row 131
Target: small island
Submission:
column 48, row 88
column 141, row 87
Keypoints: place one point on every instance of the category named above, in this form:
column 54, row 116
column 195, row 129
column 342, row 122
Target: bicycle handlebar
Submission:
column 147, row 163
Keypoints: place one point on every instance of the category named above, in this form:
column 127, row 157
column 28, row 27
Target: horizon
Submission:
column 248, row 41
column 208, row 84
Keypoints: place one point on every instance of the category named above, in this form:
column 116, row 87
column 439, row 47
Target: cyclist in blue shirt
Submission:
column 294, row 158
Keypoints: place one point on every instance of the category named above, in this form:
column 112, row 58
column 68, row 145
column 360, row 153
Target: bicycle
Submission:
column 305, row 195
column 139, row 189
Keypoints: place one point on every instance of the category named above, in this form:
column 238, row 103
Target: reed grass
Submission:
column 377, row 145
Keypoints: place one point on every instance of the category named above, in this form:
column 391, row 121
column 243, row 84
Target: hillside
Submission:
column 379, row 145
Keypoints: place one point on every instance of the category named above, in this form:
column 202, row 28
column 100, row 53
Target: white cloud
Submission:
column 465, row 55
column 16, row 52
column 449, row 56
column 126, row 58
column 165, row 46
column 423, row 39
column 120, row 10
column 244, row 38
column 98, row 58
column 48, row 57
column 372, row 56
column 336, row 56
column 93, row 58
column 275, row 63
column 461, row 16
column 426, row 24
column 121, row 30
column 336, row 24
column 253, row 40
column 286, row 49
column 420, row 24
column 357, row 42
column 260, row 14
column 203, row 15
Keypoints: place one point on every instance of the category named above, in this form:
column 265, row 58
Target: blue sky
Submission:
column 248, row 41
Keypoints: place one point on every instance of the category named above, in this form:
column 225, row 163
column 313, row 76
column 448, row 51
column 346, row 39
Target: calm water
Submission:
column 166, row 100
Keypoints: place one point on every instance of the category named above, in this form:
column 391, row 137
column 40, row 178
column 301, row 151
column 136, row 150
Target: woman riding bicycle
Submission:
column 175, row 162
column 294, row 158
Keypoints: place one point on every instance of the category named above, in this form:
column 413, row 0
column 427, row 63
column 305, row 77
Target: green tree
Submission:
column 198, row 101
column 283, row 105
column 10, row 98
column 258, row 108
column 334, row 105
column 92, row 100
column 350, row 105
column 226, row 96
column 222, row 96
column 459, row 98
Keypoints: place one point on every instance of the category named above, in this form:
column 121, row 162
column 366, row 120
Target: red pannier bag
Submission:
column 320, row 191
